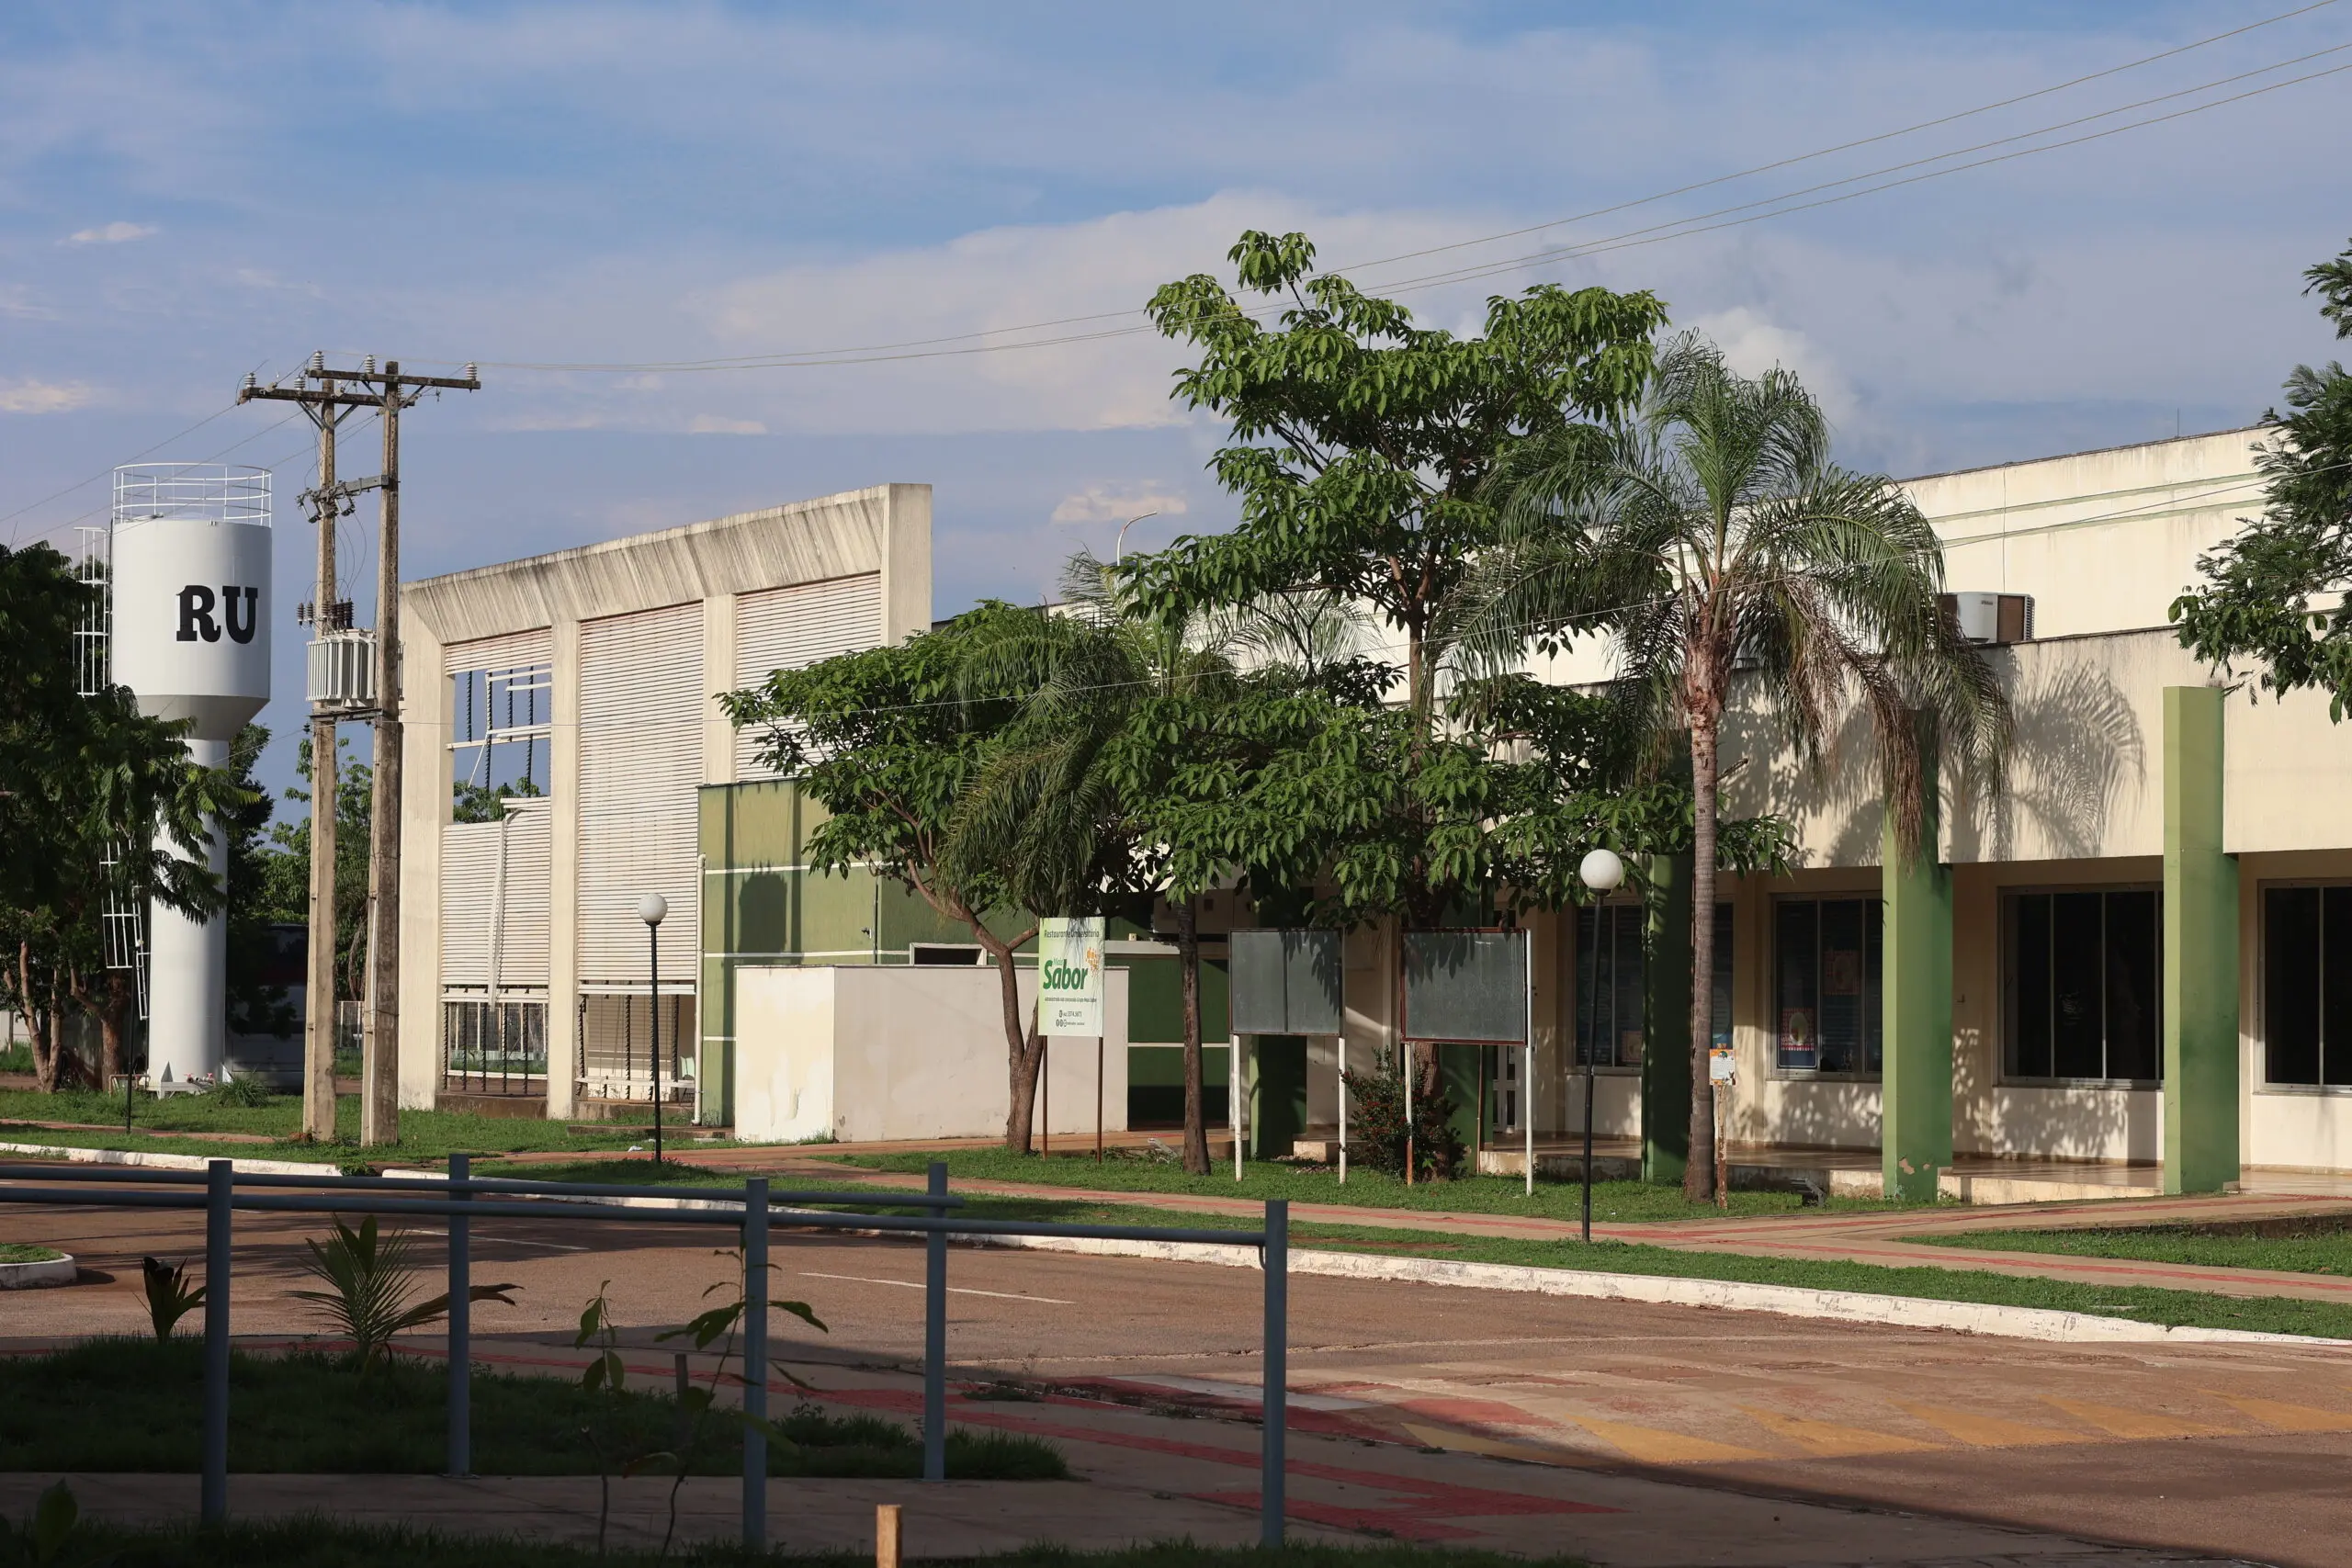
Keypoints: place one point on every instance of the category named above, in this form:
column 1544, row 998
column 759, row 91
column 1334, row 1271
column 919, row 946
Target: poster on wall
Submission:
column 1798, row 1041
column 1070, row 975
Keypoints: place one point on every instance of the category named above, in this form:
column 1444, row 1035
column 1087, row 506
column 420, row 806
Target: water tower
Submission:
column 192, row 609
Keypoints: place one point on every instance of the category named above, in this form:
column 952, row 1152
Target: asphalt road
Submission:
column 2239, row 1451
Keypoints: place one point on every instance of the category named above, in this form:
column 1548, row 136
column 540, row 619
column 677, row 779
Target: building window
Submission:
column 617, row 1034
column 2307, row 985
column 2083, row 983
column 500, row 724
column 1829, row 959
column 1609, row 983
column 495, row 1047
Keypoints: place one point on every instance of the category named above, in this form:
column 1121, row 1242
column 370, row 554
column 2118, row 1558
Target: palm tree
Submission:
column 1713, row 541
column 1114, row 699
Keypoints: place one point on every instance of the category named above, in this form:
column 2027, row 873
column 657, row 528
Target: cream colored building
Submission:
column 588, row 679
column 2138, row 952
column 2149, row 947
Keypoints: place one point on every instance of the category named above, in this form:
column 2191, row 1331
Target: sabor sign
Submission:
column 1070, row 975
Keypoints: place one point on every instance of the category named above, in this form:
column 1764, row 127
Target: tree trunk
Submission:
column 1699, row 1170
column 1024, row 1048
column 112, row 1058
column 1188, row 960
column 41, row 1024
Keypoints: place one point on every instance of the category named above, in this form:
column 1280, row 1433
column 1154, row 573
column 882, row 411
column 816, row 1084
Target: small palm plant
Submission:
column 169, row 1295
column 370, row 1281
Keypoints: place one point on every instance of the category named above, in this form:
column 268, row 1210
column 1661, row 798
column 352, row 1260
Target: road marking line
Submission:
column 1652, row 1446
column 1247, row 1393
column 1466, row 1443
column 1829, row 1439
column 952, row 1289
column 2288, row 1418
column 1988, row 1432
column 2118, row 1421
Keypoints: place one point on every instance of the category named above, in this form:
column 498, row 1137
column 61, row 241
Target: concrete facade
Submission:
column 2143, row 787
column 529, row 615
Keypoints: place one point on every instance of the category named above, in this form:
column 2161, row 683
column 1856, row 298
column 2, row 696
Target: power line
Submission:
column 1681, row 228
column 54, row 529
column 1629, row 240
column 1849, row 146
column 885, row 352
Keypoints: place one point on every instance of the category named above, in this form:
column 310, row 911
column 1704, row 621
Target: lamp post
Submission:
column 1119, row 550
column 1601, row 871
column 651, row 909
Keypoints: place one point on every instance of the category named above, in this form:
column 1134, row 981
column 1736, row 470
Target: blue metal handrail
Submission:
column 751, row 1207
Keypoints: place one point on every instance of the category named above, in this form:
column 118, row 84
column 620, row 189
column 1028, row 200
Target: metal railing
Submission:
column 464, row 1196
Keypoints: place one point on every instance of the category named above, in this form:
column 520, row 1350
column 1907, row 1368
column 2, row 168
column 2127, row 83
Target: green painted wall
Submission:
column 1276, row 1066
column 763, row 908
column 1916, row 1139
column 1666, row 1022
column 2201, row 985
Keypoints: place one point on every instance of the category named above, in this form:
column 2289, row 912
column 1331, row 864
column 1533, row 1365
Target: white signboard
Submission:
column 1070, row 975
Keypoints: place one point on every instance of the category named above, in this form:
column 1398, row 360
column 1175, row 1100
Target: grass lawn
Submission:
column 2271, row 1314
column 25, row 1252
column 2302, row 1245
column 1129, row 1172
column 425, row 1134
column 317, row 1543
column 133, row 1404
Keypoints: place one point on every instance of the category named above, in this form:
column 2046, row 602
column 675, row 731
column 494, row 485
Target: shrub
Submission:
column 245, row 1094
column 1376, row 1125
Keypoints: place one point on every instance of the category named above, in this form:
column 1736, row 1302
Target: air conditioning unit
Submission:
column 343, row 670
column 1992, row 617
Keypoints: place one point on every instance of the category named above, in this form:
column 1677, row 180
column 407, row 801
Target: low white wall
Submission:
column 2064, row 1121
column 783, row 1054
column 877, row 1054
column 2299, row 1132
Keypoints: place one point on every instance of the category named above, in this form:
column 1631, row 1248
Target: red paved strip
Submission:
column 1405, row 1524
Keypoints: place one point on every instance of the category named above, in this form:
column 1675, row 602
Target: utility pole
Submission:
column 328, row 404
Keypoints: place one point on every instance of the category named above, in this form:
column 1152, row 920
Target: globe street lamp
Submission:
column 652, row 908
column 1600, row 871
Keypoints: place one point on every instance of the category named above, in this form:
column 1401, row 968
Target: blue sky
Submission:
column 191, row 191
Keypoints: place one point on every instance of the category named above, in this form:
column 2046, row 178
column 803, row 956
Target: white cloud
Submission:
column 719, row 425
column 110, row 234
column 1752, row 344
column 42, row 397
column 1105, row 504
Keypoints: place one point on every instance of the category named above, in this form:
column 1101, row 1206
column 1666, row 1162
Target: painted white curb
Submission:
column 1789, row 1300
column 29, row 1276
column 1725, row 1295
column 170, row 1162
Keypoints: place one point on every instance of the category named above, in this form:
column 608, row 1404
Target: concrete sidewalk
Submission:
column 1879, row 1236
column 1160, row 1473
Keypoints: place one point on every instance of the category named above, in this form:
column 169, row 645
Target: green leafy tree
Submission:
column 89, row 786
column 290, row 868
column 889, row 742
column 1717, row 545
column 264, row 889
column 1361, row 447
column 487, row 803
column 2274, row 596
column 1116, row 703
column 1362, row 442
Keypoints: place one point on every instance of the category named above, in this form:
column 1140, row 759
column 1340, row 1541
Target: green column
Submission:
column 1665, row 1021
column 1916, row 1137
column 2200, row 996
